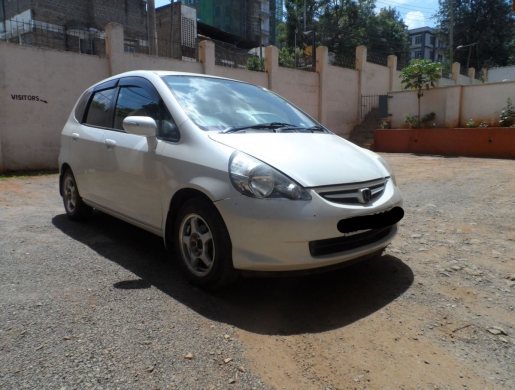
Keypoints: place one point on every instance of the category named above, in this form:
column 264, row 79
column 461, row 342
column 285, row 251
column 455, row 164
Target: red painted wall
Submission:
column 496, row 142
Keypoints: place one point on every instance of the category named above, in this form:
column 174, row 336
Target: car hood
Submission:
column 310, row 159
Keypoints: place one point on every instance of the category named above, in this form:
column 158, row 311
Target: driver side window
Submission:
column 134, row 100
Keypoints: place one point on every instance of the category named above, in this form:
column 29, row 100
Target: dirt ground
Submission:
column 437, row 311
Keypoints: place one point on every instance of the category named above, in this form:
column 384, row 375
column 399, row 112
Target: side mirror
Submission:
column 142, row 125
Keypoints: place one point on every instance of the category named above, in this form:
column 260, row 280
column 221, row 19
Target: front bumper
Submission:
column 274, row 234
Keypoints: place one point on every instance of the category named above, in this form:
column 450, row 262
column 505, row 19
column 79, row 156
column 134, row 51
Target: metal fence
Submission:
column 345, row 62
column 165, row 47
column 377, row 58
column 51, row 36
column 463, row 71
column 232, row 56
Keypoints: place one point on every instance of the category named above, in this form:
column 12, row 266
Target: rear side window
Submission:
column 81, row 106
column 99, row 113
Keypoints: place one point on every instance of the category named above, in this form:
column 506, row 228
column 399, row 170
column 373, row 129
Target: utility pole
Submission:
column 151, row 21
column 304, row 15
column 451, row 34
column 260, row 44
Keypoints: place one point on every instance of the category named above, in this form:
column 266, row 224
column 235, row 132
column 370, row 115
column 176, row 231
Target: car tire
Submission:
column 74, row 206
column 203, row 246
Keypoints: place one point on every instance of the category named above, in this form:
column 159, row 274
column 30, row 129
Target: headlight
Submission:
column 254, row 178
column 388, row 168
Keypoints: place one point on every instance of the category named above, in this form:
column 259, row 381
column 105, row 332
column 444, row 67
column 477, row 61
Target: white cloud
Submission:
column 415, row 19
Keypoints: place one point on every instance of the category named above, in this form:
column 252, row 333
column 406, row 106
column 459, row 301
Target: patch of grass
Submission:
column 26, row 174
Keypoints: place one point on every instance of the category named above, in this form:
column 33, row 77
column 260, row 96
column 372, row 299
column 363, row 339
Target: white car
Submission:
column 233, row 177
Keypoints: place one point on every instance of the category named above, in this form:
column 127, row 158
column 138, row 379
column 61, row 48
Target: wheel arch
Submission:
column 63, row 169
column 178, row 199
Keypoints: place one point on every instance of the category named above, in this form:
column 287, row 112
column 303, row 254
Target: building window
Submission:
column 409, row 40
column 440, row 58
column 418, row 54
column 432, row 40
column 418, row 40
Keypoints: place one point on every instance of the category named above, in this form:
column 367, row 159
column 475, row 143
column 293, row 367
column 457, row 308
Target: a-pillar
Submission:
column 114, row 47
column 206, row 55
column 272, row 65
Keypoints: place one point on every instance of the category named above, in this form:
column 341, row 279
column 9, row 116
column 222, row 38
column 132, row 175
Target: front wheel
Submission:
column 203, row 245
column 74, row 206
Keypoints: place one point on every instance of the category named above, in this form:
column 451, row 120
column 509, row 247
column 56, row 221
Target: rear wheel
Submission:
column 203, row 245
column 74, row 206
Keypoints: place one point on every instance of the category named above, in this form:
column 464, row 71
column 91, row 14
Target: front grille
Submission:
column 349, row 193
column 342, row 244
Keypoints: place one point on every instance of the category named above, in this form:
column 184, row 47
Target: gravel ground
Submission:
column 102, row 304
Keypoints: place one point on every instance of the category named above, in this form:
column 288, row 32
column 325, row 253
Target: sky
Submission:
column 415, row 13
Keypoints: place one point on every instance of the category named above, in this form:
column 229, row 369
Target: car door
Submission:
column 132, row 175
column 87, row 137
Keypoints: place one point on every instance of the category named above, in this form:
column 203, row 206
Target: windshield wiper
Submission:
column 272, row 126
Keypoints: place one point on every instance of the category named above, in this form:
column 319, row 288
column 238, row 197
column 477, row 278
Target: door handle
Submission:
column 75, row 136
column 110, row 143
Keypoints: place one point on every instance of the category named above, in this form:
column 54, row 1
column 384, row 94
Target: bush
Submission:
column 507, row 117
column 415, row 123
column 471, row 124
column 255, row 63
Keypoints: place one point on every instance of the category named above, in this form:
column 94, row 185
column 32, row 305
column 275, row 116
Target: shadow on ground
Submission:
column 282, row 306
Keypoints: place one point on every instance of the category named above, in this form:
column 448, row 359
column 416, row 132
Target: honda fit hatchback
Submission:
column 236, row 179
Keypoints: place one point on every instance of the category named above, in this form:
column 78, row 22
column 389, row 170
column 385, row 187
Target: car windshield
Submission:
column 219, row 104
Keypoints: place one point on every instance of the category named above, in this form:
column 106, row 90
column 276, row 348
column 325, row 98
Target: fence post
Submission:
column 392, row 64
column 361, row 61
column 456, row 71
column 472, row 74
column 324, row 80
column 206, row 55
column 114, row 47
column 271, row 65
column 453, row 105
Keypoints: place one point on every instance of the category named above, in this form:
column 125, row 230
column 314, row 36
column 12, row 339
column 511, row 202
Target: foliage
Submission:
column 421, row 74
column 507, row 117
column 415, row 122
column 341, row 25
column 489, row 23
column 255, row 63
column 483, row 125
column 286, row 58
column 471, row 124
column 385, row 125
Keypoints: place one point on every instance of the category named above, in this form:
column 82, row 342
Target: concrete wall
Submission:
column 484, row 102
column 38, row 90
column 454, row 106
column 496, row 75
column 30, row 130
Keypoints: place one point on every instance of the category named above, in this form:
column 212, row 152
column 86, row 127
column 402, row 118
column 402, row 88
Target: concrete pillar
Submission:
column 324, row 82
column 471, row 73
column 206, row 55
column 361, row 62
column 456, row 71
column 114, row 47
column 392, row 64
column 271, row 65
column 361, row 57
column 484, row 75
column 453, row 106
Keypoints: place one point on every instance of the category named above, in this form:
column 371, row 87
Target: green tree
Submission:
column 421, row 74
column 488, row 23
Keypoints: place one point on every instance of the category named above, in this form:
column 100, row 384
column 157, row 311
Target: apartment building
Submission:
column 426, row 44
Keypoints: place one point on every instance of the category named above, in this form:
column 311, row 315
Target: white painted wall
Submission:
column 29, row 129
column 496, row 75
column 406, row 102
column 484, row 102
column 375, row 79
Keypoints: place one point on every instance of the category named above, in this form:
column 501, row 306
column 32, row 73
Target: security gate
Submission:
column 375, row 104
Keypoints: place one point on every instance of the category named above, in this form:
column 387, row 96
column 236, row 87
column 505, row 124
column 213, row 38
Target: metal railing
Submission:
column 463, row 71
column 52, row 36
column 345, row 62
column 232, row 56
column 377, row 58
column 165, row 47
